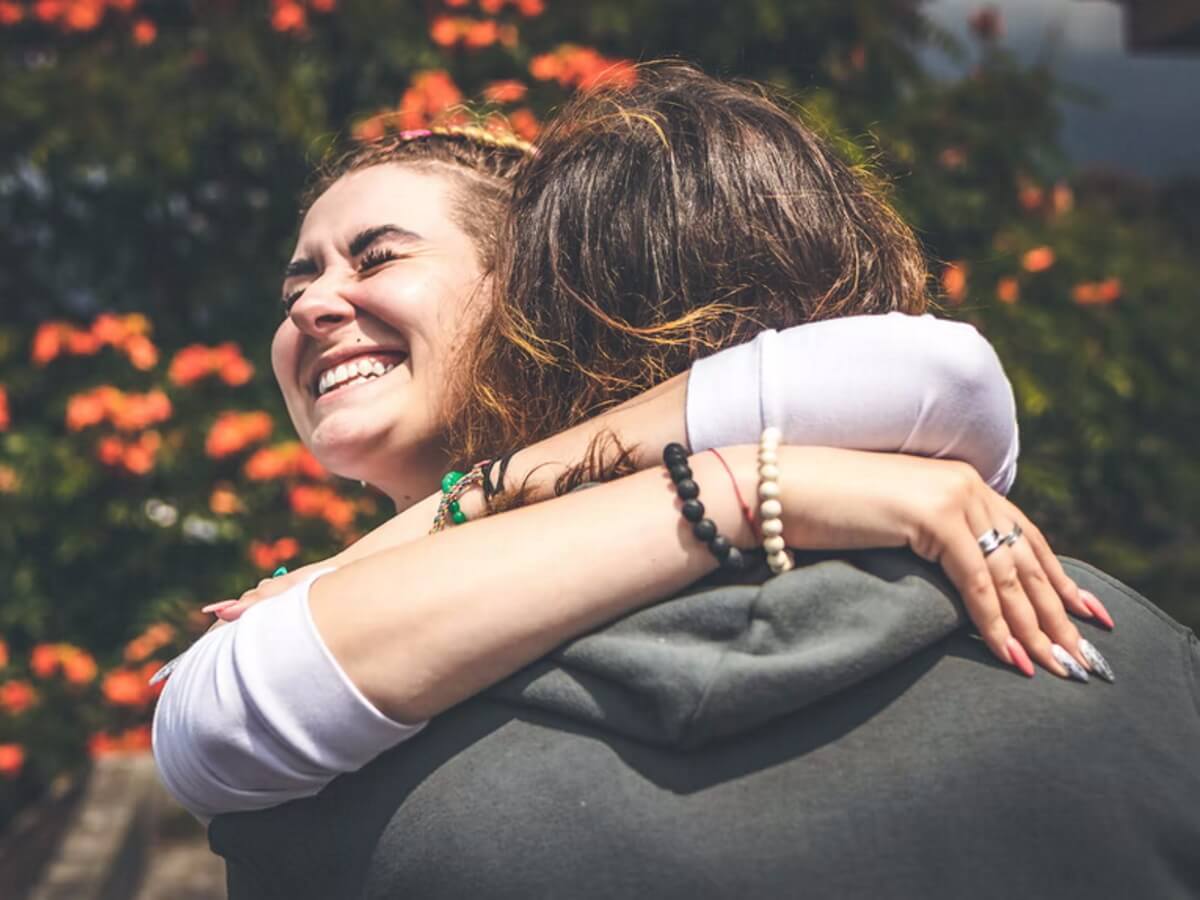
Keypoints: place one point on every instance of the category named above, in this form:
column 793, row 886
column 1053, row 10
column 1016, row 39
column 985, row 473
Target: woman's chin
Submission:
column 358, row 443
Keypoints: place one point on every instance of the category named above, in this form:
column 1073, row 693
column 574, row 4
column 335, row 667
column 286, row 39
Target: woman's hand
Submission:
column 232, row 610
column 1018, row 595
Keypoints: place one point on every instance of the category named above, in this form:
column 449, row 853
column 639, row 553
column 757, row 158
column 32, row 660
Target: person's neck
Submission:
column 410, row 483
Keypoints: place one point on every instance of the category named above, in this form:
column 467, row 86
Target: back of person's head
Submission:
column 659, row 222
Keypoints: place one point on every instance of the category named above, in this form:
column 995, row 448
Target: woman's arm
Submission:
column 316, row 681
column 891, row 383
column 899, row 383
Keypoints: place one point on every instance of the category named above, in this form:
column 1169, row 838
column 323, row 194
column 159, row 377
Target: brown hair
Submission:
column 480, row 162
column 656, row 223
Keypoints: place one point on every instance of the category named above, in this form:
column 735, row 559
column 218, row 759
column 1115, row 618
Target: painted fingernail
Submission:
column 1097, row 608
column 217, row 607
column 1068, row 662
column 1019, row 657
column 1096, row 660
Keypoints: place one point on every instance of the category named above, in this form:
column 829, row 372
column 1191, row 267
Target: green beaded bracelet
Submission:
column 449, row 480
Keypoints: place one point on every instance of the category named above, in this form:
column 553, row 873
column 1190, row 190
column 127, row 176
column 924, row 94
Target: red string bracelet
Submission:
column 747, row 513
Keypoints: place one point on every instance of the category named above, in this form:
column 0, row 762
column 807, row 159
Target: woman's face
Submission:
column 377, row 297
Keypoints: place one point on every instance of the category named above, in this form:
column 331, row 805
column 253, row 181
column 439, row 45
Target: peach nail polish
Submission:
column 1093, row 603
column 217, row 607
column 1019, row 657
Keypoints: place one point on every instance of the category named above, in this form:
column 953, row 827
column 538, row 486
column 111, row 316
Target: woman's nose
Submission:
column 321, row 309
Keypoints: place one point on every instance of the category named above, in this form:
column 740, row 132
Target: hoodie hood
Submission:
column 725, row 658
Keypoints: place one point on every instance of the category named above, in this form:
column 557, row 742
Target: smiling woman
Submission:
column 389, row 271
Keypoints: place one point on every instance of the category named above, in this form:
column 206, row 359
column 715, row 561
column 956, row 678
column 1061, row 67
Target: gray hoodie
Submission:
column 833, row 732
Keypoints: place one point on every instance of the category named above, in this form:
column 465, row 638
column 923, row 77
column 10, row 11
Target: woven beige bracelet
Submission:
column 770, row 506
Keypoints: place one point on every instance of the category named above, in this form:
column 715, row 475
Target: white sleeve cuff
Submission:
column 259, row 712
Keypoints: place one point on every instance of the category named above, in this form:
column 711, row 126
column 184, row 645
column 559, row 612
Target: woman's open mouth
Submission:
column 358, row 370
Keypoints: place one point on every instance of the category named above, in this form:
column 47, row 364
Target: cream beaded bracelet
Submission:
column 770, row 506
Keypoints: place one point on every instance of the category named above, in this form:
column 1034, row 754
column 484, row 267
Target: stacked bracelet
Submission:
column 729, row 556
column 454, row 485
column 770, row 507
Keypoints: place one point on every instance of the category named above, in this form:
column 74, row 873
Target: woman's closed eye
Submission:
column 376, row 257
column 370, row 260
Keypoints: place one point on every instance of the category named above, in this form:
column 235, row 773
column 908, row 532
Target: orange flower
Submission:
column 47, row 342
column 954, row 281
column 223, row 501
column 323, row 503
column 83, row 15
column 110, row 450
column 232, row 432
column 141, row 352
column 10, row 482
column 5, row 420
column 322, row 6
column 132, row 740
column 506, row 91
column 1031, row 197
column 78, row 666
column 139, row 457
column 288, row 16
column 431, row 92
column 3, row 653
column 582, row 67
column 193, row 363
column 1097, row 293
column 43, row 660
column 17, row 696
column 81, row 343
column 10, row 13
column 1008, row 290
column 1039, row 259
column 443, row 31
column 108, row 329
column 491, row 7
column 524, row 123
column 530, row 8
column 149, row 642
column 481, row 34
column 125, row 687
column 12, row 760
column 189, row 365
column 268, row 556
column 144, row 32
column 84, row 411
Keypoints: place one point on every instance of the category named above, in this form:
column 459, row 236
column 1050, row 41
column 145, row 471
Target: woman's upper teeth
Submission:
column 362, row 367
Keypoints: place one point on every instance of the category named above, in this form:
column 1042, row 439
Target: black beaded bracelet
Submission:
column 675, row 459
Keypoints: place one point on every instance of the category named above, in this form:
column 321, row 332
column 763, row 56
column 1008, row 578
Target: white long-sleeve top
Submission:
column 259, row 712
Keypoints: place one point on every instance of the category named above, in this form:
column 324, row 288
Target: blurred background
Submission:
column 152, row 155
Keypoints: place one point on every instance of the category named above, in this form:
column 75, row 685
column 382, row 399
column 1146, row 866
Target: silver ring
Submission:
column 990, row 541
column 1013, row 536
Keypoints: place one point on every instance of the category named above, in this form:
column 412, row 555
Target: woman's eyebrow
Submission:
column 368, row 236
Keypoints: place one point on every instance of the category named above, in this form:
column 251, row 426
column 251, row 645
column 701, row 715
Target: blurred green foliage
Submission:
column 152, row 162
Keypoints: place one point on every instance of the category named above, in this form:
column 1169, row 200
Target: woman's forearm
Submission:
column 421, row 627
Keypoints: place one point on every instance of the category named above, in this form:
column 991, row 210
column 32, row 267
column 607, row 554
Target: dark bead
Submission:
column 674, row 453
column 705, row 530
column 687, row 489
column 693, row 510
column 679, row 471
column 735, row 561
column 720, row 546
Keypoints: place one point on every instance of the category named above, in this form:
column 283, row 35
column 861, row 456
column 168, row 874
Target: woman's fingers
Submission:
column 1018, row 608
column 1062, row 583
column 963, row 563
